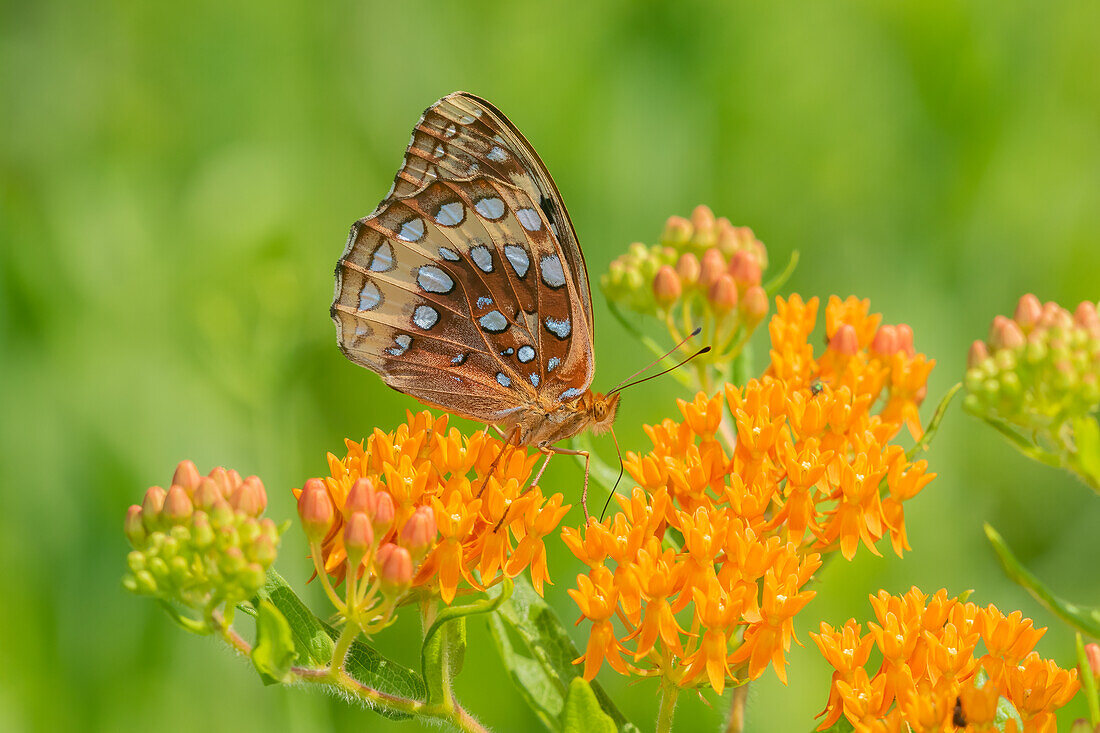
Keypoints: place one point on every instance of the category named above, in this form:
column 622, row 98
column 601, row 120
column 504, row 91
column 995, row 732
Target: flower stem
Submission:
column 343, row 643
column 669, row 693
column 736, row 722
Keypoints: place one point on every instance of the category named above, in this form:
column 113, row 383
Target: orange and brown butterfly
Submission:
column 466, row 287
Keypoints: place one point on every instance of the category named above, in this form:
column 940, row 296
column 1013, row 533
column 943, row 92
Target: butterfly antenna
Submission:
column 616, row 486
column 664, row 356
column 700, row 352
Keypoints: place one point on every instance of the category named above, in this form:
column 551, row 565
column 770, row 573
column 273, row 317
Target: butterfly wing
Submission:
column 463, row 289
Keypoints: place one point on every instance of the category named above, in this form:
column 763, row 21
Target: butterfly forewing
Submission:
column 465, row 288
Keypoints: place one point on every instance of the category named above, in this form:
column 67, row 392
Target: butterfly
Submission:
column 466, row 287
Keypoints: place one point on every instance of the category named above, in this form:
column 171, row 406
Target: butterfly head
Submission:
column 603, row 411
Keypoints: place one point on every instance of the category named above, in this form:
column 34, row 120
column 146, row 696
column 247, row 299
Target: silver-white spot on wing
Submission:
column 503, row 380
column 490, row 207
column 484, row 302
column 465, row 120
column 458, row 359
column 381, row 260
column 525, row 354
column 494, row 322
column 449, row 254
column 451, row 214
column 534, row 380
column 403, row 342
column 434, row 280
column 497, row 154
column 482, row 257
column 552, row 272
column 425, row 316
column 559, row 327
column 411, row 231
column 570, row 393
column 529, row 218
column 370, row 296
column 552, row 364
column 519, row 258
column 450, row 131
column 438, row 152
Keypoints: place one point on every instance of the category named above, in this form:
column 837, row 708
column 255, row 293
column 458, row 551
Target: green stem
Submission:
column 340, row 653
column 736, row 722
column 1088, row 682
column 669, row 693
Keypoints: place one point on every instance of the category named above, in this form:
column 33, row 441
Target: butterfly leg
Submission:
column 513, row 435
column 550, row 450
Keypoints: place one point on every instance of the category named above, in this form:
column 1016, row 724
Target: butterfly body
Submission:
column 466, row 287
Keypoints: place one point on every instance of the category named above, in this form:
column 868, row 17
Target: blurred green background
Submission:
column 177, row 180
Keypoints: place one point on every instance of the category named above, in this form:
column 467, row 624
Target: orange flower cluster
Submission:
column 732, row 527
column 488, row 525
column 932, row 678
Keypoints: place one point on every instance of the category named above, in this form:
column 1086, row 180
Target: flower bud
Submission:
column 666, row 286
column 712, row 268
column 688, row 268
column 220, row 478
column 202, row 534
column 702, row 221
column 677, row 230
column 358, row 538
column 1087, row 317
column 745, row 269
column 360, row 497
column 977, row 356
column 133, row 527
column 418, row 534
column 249, row 498
column 905, row 339
column 393, row 565
column 382, row 512
column 1028, row 311
column 177, row 506
column 754, row 306
column 845, row 341
column 1005, row 334
column 723, row 295
column 885, row 342
column 315, row 509
column 206, row 495
column 151, row 506
column 1092, row 656
column 263, row 551
column 187, row 476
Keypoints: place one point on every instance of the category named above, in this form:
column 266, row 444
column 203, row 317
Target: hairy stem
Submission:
column 669, row 693
column 736, row 722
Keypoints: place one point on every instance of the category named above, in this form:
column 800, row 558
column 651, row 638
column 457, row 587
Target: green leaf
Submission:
column 1086, row 457
column 583, row 713
column 934, row 423
column 315, row 640
column 274, row 651
column 543, row 668
column 1085, row 620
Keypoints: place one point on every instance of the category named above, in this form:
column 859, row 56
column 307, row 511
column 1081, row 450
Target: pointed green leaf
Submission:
column 934, row 423
column 583, row 713
column 274, row 651
column 1086, row 457
column 773, row 285
column 1085, row 620
column 544, row 670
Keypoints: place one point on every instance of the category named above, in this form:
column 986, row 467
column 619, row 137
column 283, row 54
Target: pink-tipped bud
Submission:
column 723, row 295
column 754, row 306
column 133, row 527
column 234, row 479
column 221, row 479
column 393, row 566
column 186, row 475
column 677, row 230
column 745, row 269
column 250, row 497
column 382, row 512
column 359, row 498
column 688, row 268
column 418, row 534
column 885, row 342
column 905, row 339
column 152, row 504
column 666, row 286
column 845, row 341
column 702, row 220
column 1092, row 656
column 977, row 356
column 1006, row 334
column 712, row 267
column 358, row 538
column 263, row 550
column 177, row 506
column 316, row 510
column 1028, row 311
column 207, row 495
column 1087, row 317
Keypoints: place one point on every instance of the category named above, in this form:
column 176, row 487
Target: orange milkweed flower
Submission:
column 490, row 525
column 928, row 679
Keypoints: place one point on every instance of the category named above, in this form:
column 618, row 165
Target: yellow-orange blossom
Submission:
column 706, row 565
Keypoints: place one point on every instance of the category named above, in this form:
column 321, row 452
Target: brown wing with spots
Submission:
column 456, row 289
